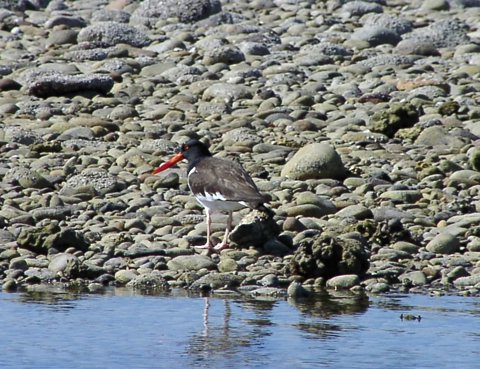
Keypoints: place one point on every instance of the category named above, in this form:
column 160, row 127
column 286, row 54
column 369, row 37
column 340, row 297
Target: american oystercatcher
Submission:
column 219, row 185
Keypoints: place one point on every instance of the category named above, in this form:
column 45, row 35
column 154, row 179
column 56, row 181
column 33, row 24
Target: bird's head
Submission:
column 190, row 150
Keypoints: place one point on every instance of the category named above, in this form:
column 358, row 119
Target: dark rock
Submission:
column 328, row 256
column 255, row 229
column 65, row 20
column 7, row 84
column 397, row 116
column 89, row 270
column 41, row 239
column 44, row 84
column 376, row 35
column 227, row 54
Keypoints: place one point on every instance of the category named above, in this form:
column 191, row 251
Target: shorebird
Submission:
column 219, row 185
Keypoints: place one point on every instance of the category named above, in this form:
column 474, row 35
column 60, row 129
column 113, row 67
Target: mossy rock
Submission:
column 449, row 108
column 41, row 239
column 397, row 116
column 328, row 256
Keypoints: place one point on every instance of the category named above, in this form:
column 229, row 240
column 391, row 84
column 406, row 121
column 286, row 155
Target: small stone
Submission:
column 217, row 280
column 474, row 159
column 379, row 287
column 270, row 280
column 296, row 290
column 255, row 229
column 112, row 33
column 406, row 247
column 9, row 285
column 415, row 278
column 358, row 212
column 444, row 243
column 122, row 277
column 18, row 263
column 345, row 281
column 191, row 262
column 227, row 265
column 465, row 282
column 435, row 5
column 65, row 264
column 148, row 282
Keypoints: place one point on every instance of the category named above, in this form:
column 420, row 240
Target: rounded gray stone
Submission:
column 124, row 276
column 315, row 161
column 191, row 262
column 343, row 281
column 112, row 33
column 64, row 264
column 296, row 290
column 444, row 243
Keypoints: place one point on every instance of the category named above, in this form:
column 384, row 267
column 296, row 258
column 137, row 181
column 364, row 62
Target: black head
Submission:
column 194, row 150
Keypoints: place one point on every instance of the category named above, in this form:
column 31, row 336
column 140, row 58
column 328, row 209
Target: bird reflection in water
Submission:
column 224, row 336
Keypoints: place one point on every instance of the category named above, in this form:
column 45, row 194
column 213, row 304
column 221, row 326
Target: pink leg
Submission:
column 208, row 245
column 224, row 244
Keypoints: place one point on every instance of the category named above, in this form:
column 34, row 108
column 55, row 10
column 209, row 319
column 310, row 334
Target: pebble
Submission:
column 343, row 281
column 357, row 120
column 191, row 262
column 443, row 243
column 296, row 290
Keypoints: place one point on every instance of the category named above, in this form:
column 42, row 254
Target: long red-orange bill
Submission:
column 169, row 163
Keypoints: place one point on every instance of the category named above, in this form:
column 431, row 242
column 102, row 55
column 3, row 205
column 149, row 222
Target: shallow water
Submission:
column 119, row 329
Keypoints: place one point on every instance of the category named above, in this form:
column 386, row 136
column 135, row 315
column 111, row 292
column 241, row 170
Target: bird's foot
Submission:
column 210, row 248
column 221, row 246
column 207, row 246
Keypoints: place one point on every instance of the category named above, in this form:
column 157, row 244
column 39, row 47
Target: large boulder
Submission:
column 315, row 161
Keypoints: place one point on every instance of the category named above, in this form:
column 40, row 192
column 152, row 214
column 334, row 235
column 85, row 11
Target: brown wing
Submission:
column 215, row 175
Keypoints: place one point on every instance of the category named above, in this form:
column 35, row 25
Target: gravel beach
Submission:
column 359, row 119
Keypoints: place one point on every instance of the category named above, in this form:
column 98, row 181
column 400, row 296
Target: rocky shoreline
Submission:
column 360, row 119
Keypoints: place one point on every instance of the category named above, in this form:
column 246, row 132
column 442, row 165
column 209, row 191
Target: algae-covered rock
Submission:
column 216, row 280
column 449, row 108
column 149, row 282
column 41, row 239
column 328, row 256
column 397, row 116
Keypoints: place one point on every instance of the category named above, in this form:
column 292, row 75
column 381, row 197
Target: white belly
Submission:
column 215, row 202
